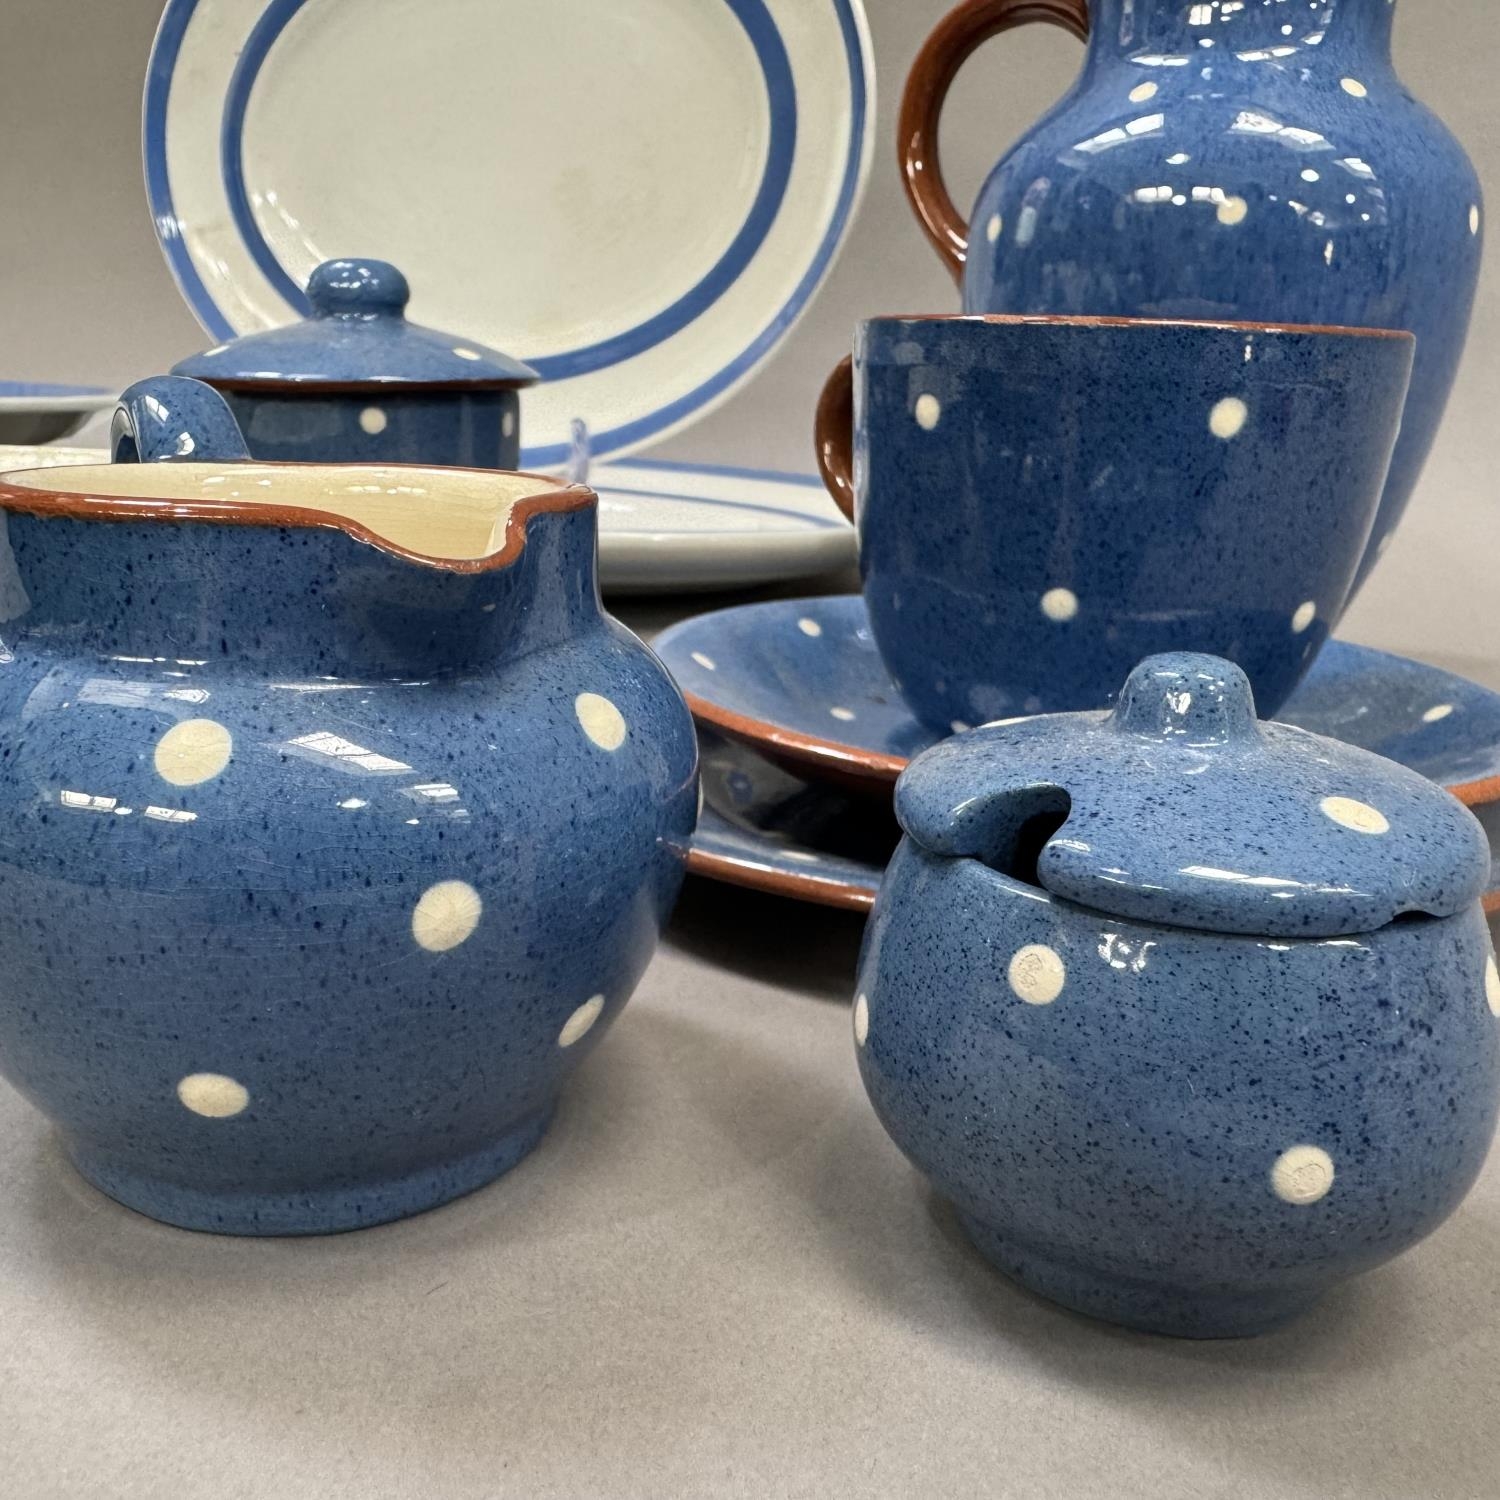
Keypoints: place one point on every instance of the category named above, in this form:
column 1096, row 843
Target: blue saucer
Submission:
column 805, row 729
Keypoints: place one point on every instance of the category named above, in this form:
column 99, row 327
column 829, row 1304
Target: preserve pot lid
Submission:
column 357, row 335
column 1179, row 807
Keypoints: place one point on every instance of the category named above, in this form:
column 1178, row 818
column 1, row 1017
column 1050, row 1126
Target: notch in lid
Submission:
column 1180, row 807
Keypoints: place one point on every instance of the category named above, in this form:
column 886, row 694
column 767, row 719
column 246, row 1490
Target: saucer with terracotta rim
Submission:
column 799, row 685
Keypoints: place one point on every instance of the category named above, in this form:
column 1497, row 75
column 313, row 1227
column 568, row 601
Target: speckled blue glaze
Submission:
column 777, row 670
column 170, row 419
column 1257, row 161
column 770, row 675
column 392, row 725
column 357, row 383
column 1184, row 1130
column 1042, row 503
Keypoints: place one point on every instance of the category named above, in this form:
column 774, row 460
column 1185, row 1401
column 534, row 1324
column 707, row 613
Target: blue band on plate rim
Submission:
column 171, row 31
column 781, row 97
column 41, row 390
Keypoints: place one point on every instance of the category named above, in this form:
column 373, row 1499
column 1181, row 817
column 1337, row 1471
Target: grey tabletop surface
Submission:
column 715, row 1277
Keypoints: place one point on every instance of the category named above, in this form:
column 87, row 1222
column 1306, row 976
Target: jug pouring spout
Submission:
column 341, row 569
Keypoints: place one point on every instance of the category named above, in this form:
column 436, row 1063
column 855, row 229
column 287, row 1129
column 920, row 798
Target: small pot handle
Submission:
column 174, row 419
column 960, row 33
column 833, row 433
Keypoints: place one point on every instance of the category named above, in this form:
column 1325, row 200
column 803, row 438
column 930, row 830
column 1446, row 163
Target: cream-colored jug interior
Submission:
column 457, row 515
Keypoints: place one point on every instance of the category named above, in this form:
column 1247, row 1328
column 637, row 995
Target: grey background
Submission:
column 716, row 1276
column 86, row 295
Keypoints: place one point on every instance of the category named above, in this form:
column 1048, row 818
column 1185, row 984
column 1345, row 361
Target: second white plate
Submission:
column 674, row 527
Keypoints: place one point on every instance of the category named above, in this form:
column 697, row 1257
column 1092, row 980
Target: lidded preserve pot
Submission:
column 1191, row 1016
column 337, row 820
column 355, row 382
column 1216, row 159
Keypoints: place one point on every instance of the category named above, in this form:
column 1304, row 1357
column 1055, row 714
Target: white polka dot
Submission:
column 213, row 1094
column 861, row 1020
column 1228, row 417
column 463, row 353
column 1436, row 712
column 842, row 714
column 809, row 627
column 1359, row 816
column 446, row 915
column 1353, row 86
column 601, row 720
column 508, row 424
column 1232, row 210
column 1142, row 92
column 1473, row 218
column 193, row 751
column 581, row 1022
column 928, row 412
column 1303, row 616
column 1059, row 604
column 959, row 727
column 706, row 662
column 993, row 228
column 1310, row 174
column 1036, row 974
column 1492, row 985
column 372, row 420
column 1302, row 1174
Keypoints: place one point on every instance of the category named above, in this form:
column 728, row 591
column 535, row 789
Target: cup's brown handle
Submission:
column 961, row 32
column 833, row 432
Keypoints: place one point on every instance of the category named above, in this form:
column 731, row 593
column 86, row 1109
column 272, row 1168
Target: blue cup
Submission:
column 1044, row 501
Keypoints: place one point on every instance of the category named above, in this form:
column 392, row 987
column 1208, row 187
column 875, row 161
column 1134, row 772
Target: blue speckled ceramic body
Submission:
column 464, row 429
column 1176, row 1128
column 357, row 383
column 1257, row 161
column 321, row 865
column 1043, row 502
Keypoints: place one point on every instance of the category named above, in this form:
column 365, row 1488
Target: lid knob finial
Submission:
column 357, row 289
column 1182, row 694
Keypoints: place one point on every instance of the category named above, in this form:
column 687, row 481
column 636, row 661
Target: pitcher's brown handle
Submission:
column 833, row 432
column 961, row 32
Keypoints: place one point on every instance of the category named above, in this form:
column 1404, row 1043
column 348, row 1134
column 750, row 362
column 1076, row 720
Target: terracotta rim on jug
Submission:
column 53, row 502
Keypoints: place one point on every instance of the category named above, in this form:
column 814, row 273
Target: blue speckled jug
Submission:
column 357, row 383
column 337, row 820
column 1190, row 1016
column 1219, row 160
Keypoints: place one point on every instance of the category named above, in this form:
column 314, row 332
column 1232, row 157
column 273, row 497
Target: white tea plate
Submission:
column 672, row 527
column 639, row 199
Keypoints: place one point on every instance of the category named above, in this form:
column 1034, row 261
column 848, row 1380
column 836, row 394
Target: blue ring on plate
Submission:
column 172, row 29
column 21, row 390
column 781, row 92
